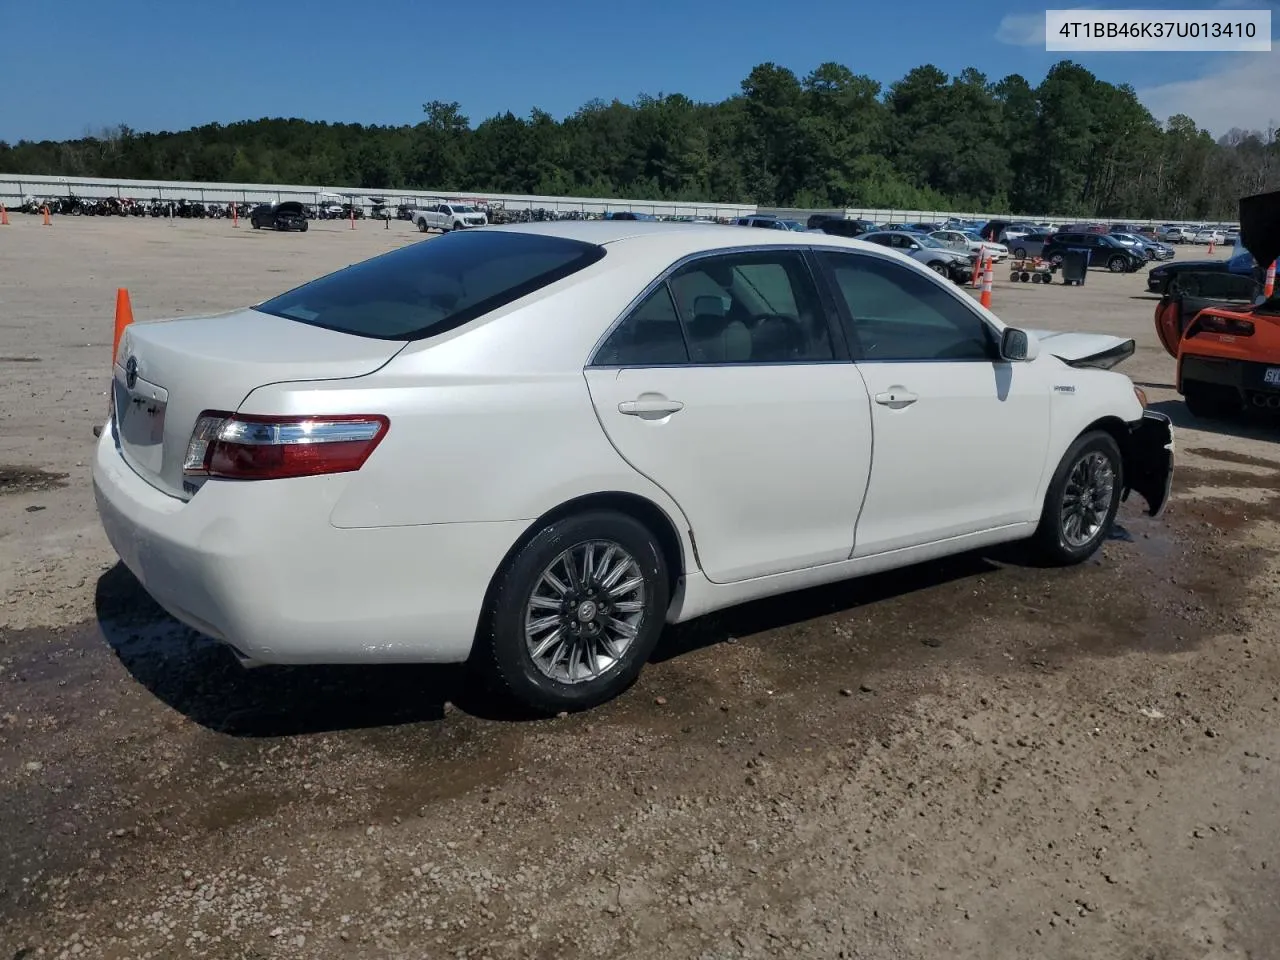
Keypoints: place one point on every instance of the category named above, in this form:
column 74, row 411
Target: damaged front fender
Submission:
column 1148, row 461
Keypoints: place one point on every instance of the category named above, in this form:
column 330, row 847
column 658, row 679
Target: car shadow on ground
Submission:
column 200, row 679
column 789, row 609
column 1250, row 425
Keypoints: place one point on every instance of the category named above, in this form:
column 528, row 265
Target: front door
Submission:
column 961, row 437
column 727, row 388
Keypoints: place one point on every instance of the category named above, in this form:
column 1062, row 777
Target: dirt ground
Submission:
column 969, row 759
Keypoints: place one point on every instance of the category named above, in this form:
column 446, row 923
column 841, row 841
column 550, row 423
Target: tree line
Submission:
column 1074, row 145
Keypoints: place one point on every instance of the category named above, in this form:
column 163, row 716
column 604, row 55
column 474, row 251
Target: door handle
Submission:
column 897, row 398
column 641, row 408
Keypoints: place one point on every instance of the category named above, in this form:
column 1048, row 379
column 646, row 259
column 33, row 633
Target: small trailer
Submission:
column 1031, row 270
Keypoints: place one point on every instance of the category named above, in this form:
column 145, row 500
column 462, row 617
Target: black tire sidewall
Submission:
column 506, row 658
column 1117, row 265
column 1052, row 547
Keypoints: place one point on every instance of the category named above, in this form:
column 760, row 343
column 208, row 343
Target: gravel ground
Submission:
column 973, row 758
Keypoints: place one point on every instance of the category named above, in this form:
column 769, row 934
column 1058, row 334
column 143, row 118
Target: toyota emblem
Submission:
column 131, row 372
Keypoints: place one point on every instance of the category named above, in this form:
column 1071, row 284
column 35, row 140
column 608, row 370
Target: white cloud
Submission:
column 1239, row 94
column 1022, row 29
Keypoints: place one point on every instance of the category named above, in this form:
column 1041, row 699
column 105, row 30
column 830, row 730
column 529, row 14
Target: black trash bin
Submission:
column 1075, row 265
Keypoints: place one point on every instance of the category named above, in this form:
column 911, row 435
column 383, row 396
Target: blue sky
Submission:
column 69, row 66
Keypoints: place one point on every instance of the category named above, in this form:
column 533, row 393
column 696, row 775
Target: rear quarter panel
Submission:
column 492, row 422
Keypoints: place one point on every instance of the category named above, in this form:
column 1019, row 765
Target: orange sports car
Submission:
column 1223, row 332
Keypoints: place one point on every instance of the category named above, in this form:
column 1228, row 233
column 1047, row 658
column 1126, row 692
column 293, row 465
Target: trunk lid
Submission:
column 168, row 372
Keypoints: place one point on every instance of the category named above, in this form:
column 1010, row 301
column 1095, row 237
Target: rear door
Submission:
column 728, row 387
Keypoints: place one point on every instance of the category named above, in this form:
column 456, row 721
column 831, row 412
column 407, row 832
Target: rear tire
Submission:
column 422, row 226
column 1081, row 502
column 551, row 649
column 1207, row 401
column 1020, row 253
column 1117, row 265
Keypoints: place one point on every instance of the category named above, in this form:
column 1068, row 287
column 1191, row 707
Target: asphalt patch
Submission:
column 29, row 480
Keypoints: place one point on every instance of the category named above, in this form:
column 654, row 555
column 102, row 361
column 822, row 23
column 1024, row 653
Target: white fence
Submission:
column 15, row 188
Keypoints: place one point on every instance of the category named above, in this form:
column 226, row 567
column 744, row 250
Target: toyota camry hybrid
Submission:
column 530, row 447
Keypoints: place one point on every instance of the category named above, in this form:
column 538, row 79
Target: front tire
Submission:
column 1117, row 265
column 574, row 615
column 1020, row 253
column 422, row 226
column 1081, row 502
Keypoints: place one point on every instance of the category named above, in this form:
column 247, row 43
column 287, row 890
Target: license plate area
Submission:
column 140, row 414
column 1271, row 377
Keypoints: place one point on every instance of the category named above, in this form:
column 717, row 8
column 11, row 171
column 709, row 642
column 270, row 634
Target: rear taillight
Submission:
column 1229, row 326
column 240, row 447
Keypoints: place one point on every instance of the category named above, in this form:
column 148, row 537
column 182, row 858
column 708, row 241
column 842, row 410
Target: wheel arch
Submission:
column 639, row 508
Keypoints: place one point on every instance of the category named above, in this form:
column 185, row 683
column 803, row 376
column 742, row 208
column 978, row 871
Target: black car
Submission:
column 839, row 226
column 286, row 215
column 1104, row 251
column 1158, row 278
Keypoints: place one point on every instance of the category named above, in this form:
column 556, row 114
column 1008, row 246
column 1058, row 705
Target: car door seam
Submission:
column 871, row 460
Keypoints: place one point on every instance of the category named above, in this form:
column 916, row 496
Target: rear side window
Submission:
column 434, row 286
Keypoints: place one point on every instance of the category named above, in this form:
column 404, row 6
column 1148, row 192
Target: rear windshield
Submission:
column 433, row 286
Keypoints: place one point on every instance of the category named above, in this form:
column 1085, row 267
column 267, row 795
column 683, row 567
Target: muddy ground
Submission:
column 973, row 758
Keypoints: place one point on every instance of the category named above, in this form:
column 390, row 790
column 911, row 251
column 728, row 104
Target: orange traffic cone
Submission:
column 977, row 270
column 988, row 276
column 235, row 217
column 353, row 218
column 1270, row 286
column 45, row 208
column 124, row 317
column 4, row 216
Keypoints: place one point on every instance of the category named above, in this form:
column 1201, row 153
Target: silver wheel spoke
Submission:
column 628, row 606
column 544, row 603
column 555, row 583
column 621, row 627
column 550, row 640
column 622, row 589
column 541, row 623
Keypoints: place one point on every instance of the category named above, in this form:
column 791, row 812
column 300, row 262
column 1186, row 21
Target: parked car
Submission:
column 1223, row 334
column 1240, row 263
column 1104, row 251
column 1209, row 235
column 449, row 216
column 582, row 400
column 768, row 222
column 839, row 226
column 1031, row 245
column 970, row 243
column 1175, row 233
column 286, row 215
column 1150, row 249
column 953, row 264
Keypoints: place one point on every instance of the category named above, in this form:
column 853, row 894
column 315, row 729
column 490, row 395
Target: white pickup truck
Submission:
column 448, row 216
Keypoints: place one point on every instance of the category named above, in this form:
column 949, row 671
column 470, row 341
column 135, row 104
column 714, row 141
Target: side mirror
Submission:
column 1018, row 345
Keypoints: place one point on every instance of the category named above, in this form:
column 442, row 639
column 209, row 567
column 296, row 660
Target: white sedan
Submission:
column 971, row 243
column 532, row 446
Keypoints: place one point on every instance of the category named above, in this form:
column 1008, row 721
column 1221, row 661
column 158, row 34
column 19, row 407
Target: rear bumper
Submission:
column 1247, row 377
column 259, row 567
column 1148, row 460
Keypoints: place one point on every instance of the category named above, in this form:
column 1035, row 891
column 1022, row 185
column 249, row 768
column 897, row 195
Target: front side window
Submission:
column 751, row 308
column 896, row 314
column 430, row 287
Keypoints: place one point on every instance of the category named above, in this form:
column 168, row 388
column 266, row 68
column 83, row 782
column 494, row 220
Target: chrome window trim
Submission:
column 801, row 249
